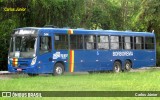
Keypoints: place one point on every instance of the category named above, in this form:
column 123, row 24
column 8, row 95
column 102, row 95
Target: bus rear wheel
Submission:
column 58, row 69
column 117, row 67
column 127, row 65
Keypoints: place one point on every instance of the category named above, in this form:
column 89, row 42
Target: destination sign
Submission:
column 23, row 32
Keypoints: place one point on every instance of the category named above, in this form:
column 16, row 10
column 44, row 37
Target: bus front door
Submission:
column 45, row 54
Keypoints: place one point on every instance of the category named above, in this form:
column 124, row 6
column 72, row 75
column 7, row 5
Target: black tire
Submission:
column 58, row 69
column 32, row 75
column 127, row 65
column 117, row 67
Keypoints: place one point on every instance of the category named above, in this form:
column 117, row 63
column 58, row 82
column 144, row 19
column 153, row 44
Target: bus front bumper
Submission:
column 29, row 69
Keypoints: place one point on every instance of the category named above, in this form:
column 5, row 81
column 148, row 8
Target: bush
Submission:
column 158, row 55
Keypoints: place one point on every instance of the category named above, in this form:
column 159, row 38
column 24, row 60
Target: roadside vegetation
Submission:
column 135, row 15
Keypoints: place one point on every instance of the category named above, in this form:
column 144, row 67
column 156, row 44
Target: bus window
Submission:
column 115, row 42
column 103, row 42
column 45, row 44
column 127, row 42
column 138, row 43
column 90, row 41
column 149, row 43
column 76, row 42
column 61, row 41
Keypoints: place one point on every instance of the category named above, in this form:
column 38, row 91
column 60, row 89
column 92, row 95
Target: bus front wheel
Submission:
column 127, row 65
column 58, row 69
column 117, row 67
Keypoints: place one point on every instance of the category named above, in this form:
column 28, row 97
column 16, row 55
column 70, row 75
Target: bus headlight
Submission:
column 33, row 61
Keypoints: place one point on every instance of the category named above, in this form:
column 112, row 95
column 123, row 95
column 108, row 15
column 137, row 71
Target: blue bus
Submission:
column 57, row 50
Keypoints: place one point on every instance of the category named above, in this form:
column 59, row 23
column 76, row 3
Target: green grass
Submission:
column 130, row 81
column 146, row 80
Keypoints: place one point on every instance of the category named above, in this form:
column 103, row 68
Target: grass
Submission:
column 130, row 81
column 147, row 81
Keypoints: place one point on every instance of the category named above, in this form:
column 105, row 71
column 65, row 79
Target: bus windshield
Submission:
column 23, row 46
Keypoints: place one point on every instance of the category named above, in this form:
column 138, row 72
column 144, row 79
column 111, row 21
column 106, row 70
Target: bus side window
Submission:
column 115, row 42
column 138, row 42
column 127, row 42
column 103, row 42
column 90, row 42
column 149, row 43
column 76, row 42
column 45, row 44
column 61, row 41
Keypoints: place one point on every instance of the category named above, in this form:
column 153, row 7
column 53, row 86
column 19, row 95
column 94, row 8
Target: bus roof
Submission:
column 85, row 31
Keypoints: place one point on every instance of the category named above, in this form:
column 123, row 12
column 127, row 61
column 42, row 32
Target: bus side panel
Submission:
column 144, row 58
column 79, row 60
column 90, row 61
column 82, row 60
column 105, row 60
column 45, row 64
column 60, row 56
column 150, row 58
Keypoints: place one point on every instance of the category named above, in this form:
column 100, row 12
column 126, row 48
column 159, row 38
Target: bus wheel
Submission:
column 117, row 66
column 29, row 74
column 58, row 69
column 127, row 66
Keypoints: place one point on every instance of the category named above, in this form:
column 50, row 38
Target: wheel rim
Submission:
column 59, row 70
column 128, row 66
column 117, row 68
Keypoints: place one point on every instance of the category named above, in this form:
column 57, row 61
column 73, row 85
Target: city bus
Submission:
column 44, row 50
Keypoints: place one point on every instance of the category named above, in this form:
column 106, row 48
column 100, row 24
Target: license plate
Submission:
column 19, row 69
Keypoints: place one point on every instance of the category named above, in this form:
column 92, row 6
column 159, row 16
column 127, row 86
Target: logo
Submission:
column 123, row 53
column 46, row 34
column 59, row 55
column 6, row 94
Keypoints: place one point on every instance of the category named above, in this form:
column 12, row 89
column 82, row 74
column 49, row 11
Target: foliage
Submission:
column 147, row 18
column 136, row 15
column 158, row 56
